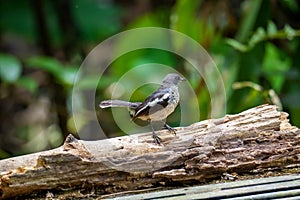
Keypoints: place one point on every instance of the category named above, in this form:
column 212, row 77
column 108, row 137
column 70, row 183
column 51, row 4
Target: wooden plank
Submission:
column 263, row 188
column 292, row 194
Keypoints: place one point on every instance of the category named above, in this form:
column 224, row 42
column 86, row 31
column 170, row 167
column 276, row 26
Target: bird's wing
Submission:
column 158, row 100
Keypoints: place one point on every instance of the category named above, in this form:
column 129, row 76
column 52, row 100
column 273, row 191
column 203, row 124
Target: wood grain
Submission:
column 258, row 139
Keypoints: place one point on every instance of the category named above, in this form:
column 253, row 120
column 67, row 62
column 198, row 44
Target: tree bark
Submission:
column 258, row 139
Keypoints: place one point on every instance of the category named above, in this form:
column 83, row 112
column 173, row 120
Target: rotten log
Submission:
column 257, row 139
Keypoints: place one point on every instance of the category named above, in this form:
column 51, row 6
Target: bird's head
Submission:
column 173, row 79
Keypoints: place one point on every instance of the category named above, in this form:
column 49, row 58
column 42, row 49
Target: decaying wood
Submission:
column 260, row 138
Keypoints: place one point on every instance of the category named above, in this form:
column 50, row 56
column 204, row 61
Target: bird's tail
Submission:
column 118, row 103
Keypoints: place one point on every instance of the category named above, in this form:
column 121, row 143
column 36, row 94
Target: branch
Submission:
column 258, row 139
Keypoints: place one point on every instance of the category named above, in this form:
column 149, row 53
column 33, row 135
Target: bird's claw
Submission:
column 156, row 139
column 171, row 129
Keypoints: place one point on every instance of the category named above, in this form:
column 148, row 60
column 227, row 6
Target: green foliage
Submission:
column 64, row 74
column 96, row 20
column 291, row 5
column 249, row 19
column 257, row 53
column 10, row 68
column 10, row 73
column 28, row 83
column 258, row 93
column 263, row 35
column 17, row 18
column 180, row 20
column 50, row 65
column 275, row 65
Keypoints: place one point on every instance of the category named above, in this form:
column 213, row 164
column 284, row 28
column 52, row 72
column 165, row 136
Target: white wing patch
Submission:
column 153, row 103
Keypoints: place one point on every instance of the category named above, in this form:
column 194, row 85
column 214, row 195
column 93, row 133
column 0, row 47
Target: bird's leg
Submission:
column 155, row 137
column 171, row 129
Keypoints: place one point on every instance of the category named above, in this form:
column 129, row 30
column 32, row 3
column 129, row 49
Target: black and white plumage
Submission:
column 156, row 107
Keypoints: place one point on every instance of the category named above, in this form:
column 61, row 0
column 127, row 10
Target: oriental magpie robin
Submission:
column 156, row 107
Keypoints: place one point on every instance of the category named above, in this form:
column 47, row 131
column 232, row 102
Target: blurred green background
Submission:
column 255, row 44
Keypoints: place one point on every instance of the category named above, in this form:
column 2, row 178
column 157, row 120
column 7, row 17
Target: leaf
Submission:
column 237, row 45
column 181, row 17
column 247, row 24
column 28, row 83
column 88, row 82
column 271, row 29
column 48, row 64
column 275, row 66
column 289, row 31
column 10, row 68
column 258, row 36
column 67, row 75
column 64, row 74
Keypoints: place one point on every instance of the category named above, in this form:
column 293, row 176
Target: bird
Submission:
column 156, row 107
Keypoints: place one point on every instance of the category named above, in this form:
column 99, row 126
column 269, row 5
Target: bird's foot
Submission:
column 171, row 129
column 156, row 138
